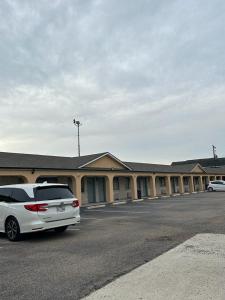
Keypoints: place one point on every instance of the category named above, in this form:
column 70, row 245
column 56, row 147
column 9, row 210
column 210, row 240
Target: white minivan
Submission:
column 216, row 185
column 36, row 207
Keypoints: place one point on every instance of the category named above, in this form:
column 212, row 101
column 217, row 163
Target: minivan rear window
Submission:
column 52, row 193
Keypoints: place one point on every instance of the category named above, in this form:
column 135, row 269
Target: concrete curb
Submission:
column 95, row 206
column 193, row 270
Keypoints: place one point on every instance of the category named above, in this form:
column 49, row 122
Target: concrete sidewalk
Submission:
column 195, row 270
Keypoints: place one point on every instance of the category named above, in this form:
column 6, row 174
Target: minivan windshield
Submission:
column 52, row 193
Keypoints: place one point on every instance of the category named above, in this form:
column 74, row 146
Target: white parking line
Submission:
column 123, row 211
column 87, row 218
column 95, row 206
column 119, row 203
column 138, row 200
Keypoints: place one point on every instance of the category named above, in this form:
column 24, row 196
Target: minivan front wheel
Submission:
column 12, row 229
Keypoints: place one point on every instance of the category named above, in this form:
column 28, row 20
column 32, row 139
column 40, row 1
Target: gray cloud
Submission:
column 146, row 78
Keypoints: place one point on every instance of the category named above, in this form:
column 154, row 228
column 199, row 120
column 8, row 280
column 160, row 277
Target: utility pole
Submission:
column 78, row 124
column 214, row 152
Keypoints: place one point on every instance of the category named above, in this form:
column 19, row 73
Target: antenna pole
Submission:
column 78, row 128
column 214, row 152
column 78, row 124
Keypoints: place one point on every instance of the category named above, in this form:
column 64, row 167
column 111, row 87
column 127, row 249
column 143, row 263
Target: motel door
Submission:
column 91, row 190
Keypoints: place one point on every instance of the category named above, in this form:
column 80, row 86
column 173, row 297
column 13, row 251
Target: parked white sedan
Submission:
column 36, row 207
column 216, row 185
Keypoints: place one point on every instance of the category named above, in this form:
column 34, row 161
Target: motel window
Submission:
column 196, row 180
column 116, row 184
column 82, row 185
column 162, row 181
column 186, row 181
column 127, row 183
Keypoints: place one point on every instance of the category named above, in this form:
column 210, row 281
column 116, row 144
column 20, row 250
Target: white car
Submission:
column 36, row 207
column 216, row 185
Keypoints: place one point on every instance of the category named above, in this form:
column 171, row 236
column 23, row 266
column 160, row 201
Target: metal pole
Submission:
column 78, row 126
column 214, row 152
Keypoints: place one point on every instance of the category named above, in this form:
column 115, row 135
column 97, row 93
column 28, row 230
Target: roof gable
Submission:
column 198, row 169
column 106, row 161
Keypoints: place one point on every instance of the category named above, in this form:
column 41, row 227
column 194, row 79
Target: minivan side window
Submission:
column 19, row 195
column 5, row 195
column 13, row 195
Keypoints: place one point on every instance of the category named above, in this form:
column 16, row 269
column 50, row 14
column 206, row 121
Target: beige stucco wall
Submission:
column 77, row 175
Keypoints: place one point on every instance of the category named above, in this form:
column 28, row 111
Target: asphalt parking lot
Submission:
column 109, row 242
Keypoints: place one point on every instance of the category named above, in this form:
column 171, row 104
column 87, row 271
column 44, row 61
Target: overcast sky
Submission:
column 146, row 78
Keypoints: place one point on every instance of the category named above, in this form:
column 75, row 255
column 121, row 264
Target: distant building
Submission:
column 204, row 162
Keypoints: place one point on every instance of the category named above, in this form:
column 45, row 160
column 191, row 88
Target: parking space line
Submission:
column 138, row 200
column 123, row 211
column 96, row 206
column 87, row 218
column 119, row 203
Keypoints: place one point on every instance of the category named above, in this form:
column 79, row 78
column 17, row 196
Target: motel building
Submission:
column 103, row 178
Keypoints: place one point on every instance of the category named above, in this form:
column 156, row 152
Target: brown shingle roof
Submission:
column 34, row 161
column 145, row 167
column 211, row 170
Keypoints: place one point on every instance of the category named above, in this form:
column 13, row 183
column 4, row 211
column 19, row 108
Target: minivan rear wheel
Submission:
column 12, row 229
column 210, row 189
column 61, row 229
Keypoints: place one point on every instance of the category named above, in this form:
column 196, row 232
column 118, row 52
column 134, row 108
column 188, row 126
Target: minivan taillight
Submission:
column 37, row 207
column 75, row 203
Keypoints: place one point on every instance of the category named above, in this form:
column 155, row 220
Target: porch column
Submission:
column 134, row 187
column 201, row 188
column 109, row 189
column 31, row 178
column 77, row 187
column 181, row 184
column 191, row 183
column 152, row 186
column 209, row 179
column 168, row 185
